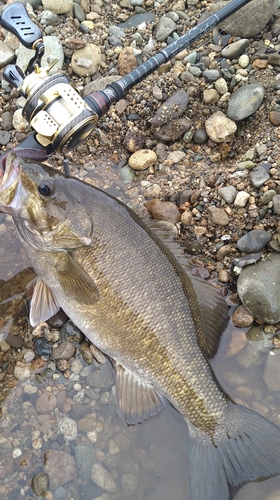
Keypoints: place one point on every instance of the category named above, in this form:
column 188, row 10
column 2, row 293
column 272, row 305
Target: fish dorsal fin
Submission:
column 75, row 281
column 137, row 400
column 214, row 310
column 43, row 304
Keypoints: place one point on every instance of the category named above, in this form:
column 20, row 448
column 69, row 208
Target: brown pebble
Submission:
column 163, row 210
column 46, row 402
column 274, row 117
column 241, row 317
column 260, row 64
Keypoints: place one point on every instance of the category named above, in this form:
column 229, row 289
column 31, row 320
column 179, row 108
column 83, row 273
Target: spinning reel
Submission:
column 60, row 116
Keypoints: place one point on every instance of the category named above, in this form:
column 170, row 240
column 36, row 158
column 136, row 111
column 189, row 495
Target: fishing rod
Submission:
column 60, row 117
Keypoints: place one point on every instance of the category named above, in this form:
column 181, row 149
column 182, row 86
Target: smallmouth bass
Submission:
column 137, row 304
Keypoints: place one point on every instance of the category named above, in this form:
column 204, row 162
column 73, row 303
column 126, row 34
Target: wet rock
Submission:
column 253, row 241
column 245, row 101
column 40, row 484
column 258, row 289
column 163, row 210
column 46, row 402
column 271, row 374
column 102, row 377
column 220, row 128
column 234, row 50
column 85, row 457
column 250, row 356
column 172, row 108
column 228, row 194
column 142, row 159
column 7, row 120
column 129, row 483
column 102, row 478
column 60, row 467
column 218, row 216
column 86, row 61
column 173, row 130
column 259, row 176
column 68, row 427
column 241, row 317
column 65, row 350
column 249, row 20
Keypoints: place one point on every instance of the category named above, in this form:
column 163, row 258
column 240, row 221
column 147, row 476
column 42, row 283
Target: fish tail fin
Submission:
column 245, row 447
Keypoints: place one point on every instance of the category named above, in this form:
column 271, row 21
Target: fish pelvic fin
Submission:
column 43, row 303
column 244, row 448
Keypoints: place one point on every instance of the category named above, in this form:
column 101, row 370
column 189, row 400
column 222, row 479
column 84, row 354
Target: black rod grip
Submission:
column 14, row 18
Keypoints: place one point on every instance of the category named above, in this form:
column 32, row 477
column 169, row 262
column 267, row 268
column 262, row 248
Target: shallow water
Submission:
column 153, row 455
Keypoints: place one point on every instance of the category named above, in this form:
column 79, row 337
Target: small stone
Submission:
column 102, row 478
column 19, row 122
column 258, row 176
column 172, row 130
column 220, row 128
column 65, row 350
column 218, row 216
column 163, row 210
column 86, row 61
column 274, row 117
column 22, row 371
column 200, row 136
column 85, row 457
column 276, row 204
column 211, row 96
column 235, row 49
column 142, row 159
column 127, row 61
column 164, row 28
column 260, row 64
column 172, row 108
column 228, row 194
column 245, row 101
column 221, row 86
column 46, row 402
column 241, row 199
column 211, row 75
column 243, row 61
column 39, row 484
column 253, row 241
column 58, row 7
column 242, row 318
column 68, row 428
column 129, row 483
column 60, row 467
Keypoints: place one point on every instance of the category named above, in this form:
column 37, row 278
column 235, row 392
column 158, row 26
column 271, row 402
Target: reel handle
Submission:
column 15, row 18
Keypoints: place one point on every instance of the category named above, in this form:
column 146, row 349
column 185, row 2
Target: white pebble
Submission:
column 243, row 61
column 77, row 387
column 17, row 453
column 241, row 199
column 68, row 427
column 28, row 355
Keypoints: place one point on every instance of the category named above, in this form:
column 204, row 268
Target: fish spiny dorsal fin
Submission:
column 214, row 310
column 136, row 399
column 43, row 304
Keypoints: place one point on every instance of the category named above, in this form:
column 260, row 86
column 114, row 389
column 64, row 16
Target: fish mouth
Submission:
column 12, row 193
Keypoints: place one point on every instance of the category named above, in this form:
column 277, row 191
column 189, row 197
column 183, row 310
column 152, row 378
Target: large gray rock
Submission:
column 248, row 21
column 258, row 288
column 53, row 50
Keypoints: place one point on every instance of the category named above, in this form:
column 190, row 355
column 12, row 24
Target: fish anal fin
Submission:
column 43, row 304
column 137, row 400
column 75, row 281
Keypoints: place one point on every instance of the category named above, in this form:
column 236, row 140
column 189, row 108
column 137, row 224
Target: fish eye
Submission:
column 46, row 187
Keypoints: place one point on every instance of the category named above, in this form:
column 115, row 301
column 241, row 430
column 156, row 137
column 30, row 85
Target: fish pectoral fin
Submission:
column 75, row 281
column 43, row 304
column 137, row 400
